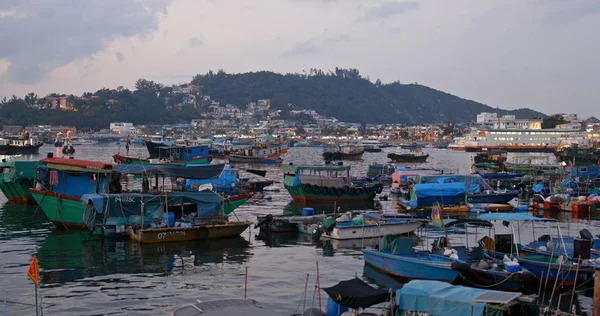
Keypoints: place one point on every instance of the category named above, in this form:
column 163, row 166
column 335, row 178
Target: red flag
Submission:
column 570, row 163
column 33, row 272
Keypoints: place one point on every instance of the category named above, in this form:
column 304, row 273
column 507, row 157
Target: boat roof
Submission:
column 77, row 165
column 225, row 307
column 294, row 168
column 431, row 296
column 513, row 217
column 197, row 172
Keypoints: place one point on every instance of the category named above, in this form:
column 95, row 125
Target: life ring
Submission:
column 362, row 190
column 316, row 190
column 339, row 192
column 128, row 160
column 307, row 188
column 353, row 191
column 346, row 189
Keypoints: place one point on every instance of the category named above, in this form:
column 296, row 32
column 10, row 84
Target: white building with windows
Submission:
column 485, row 117
column 121, row 128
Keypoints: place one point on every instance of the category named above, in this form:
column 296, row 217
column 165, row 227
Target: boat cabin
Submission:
column 183, row 153
column 75, row 178
column 334, row 176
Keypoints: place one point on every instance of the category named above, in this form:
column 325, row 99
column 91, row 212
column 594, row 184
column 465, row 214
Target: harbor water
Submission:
column 82, row 275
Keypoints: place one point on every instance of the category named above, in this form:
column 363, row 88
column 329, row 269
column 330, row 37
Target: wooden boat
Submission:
column 285, row 223
column 16, row 177
column 327, row 183
column 209, row 230
column 372, row 225
column 343, row 152
column 397, row 257
column 491, row 156
column 408, row 158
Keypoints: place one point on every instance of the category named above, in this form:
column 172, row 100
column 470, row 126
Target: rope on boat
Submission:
column 303, row 298
column 484, row 286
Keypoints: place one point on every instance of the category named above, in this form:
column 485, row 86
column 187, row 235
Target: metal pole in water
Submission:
column 246, row 284
column 319, row 289
column 575, row 284
column 36, row 301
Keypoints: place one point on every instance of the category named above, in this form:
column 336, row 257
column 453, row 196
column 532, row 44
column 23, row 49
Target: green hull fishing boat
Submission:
column 15, row 180
column 329, row 183
column 88, row 194
column 173, row 163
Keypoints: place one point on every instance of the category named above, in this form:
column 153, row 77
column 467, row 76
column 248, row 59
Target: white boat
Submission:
column 374, row 225
column 82, row 141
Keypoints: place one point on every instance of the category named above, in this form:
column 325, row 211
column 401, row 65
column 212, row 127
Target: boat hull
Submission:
column 17, row 191
column 409, row 267
column 514, row 149
column 299, row 193
column 137, row 161
column 160, row 235
column 233, row 202
column 244, row 159
column 500, row 198
column 408, row 158
column 372, row 231
column 20, row 150
column 62, row 210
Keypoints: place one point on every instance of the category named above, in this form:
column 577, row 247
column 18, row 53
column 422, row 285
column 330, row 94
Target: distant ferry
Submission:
column 528, row 140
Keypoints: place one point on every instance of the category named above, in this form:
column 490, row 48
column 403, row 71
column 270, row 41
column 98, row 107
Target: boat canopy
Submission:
column 356, row 294
column 440, row 298
column 126, row 208
column 472, row 222
column 513, row 217
column 197, row 172
column 439, row 189
column 77, row 165
column 471, row 182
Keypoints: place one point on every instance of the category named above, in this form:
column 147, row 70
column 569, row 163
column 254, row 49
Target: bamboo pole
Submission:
column 575, row 284
column 596, row 302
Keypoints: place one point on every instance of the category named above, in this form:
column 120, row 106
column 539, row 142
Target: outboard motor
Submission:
column 545, row 238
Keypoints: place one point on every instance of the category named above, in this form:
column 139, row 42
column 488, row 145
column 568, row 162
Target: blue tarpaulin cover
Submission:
column 537, row 188
column 439, row 298
column 439, row 189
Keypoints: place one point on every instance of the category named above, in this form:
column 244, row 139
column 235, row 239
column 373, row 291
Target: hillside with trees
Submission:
column 341, row 93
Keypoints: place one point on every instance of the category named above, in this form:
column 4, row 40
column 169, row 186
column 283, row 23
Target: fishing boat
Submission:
column 16, row 177
column 20, row 145
column 543, row 265
column 414, row 156
column 258, row 154
column 288, row 223
column 343, row 152
column 60, row 183
column 397, row 257
column 328, row 183
column 370, row 225
column 578, row 156
column 170, row 156
column 372, row 146
column 496, row 156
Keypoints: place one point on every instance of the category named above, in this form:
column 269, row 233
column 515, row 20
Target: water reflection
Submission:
column 70, row 256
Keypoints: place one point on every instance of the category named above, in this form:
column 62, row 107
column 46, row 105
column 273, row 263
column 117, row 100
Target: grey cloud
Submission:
column 53, row 33
column 560, row 12
column 389, row 9
column 194, row 42
column 303, row 48
column 341, row 38
column 120, row 57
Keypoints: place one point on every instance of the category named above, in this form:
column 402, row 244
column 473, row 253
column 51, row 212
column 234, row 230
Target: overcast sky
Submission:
column 542, row 54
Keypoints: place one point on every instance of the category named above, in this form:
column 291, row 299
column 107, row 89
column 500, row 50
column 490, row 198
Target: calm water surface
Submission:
column 82, row 275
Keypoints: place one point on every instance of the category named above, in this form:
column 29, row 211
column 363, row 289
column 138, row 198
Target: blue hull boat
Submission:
column 417, row 265
column 494, row 197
